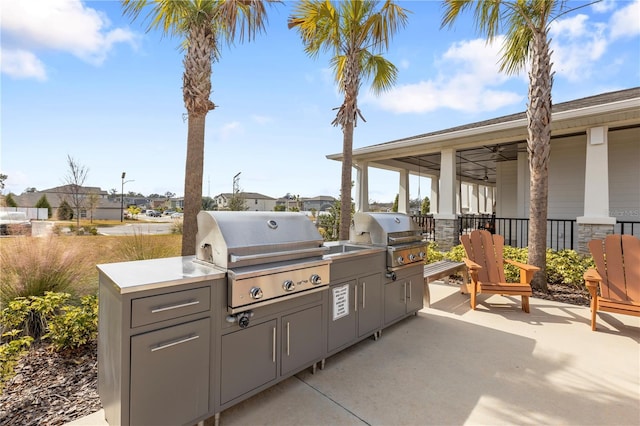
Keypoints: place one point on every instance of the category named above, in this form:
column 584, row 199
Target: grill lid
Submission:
column 387, row 229
column 236, row 239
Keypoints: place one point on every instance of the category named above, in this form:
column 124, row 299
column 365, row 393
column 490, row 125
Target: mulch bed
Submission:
column 55, row 388
column 51, row 388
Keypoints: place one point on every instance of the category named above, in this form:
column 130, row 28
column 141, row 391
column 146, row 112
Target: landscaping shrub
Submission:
column 74, row 326
column 563, row 266
column 33, row 266
column 567, row 267
column 10, row 353
column 142, row 246
column 30, row 316
column 65, row 212
column 433, row 254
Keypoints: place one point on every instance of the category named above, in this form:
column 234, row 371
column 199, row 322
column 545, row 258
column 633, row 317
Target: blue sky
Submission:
column 79, row 79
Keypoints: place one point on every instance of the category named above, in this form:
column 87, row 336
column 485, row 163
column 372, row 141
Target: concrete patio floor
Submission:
column 450, row 365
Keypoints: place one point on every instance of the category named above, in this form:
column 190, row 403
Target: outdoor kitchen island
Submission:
column 182, row 339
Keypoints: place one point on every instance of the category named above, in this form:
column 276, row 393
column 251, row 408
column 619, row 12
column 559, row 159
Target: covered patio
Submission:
column 452, row 365
column 482, row 168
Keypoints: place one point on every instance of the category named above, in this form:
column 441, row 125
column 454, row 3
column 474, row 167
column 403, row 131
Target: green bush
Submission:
column 75, row 325
column 10, row 352
column 30, row 316
column 433, row 254
column 563, row 266
column 65, row 212
column 33, row 266
column 567, row 267
column 44, row 204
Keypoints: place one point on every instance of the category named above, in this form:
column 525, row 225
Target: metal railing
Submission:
column 561, row 233
column 627, row 228
column 428, row 225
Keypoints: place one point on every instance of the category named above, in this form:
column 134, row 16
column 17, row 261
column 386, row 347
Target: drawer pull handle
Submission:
column 364, row 294
column 273, row 346
column 170, row 307
column 409, row 289
column 288, row 334
column 177, row 342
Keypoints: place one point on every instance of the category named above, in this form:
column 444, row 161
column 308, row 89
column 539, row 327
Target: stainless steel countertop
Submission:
column 346, row 249
column 151, row 274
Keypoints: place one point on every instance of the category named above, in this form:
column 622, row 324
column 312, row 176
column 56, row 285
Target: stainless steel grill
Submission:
column 398, row 232
column 267, row 255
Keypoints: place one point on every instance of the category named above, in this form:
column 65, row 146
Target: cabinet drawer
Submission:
column 148, row 310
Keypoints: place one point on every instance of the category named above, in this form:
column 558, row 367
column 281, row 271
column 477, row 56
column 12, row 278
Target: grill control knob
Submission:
column 288, row 285
column 400, row 260
column 421, row 254
column 255, row 293
column 315, row 279
column 412, row 257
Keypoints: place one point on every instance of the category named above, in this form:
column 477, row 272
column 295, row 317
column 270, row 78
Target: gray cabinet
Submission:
column 167, row 384
column 262, row 354
column 248, row 360
column 155, row 344
column 404, row 295
column 355, row 311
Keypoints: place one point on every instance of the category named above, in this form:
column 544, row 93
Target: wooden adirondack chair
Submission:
column 485, row 262
column 617, row 259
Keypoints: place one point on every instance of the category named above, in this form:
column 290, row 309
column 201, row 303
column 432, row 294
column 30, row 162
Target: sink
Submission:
column 341, row 248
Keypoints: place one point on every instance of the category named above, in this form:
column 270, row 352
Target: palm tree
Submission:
column 526, row 41
column 355, row 32
column 201, row 24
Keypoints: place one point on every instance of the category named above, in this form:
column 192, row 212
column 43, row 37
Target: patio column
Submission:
column 482, row 199
column 435, row 182
column 446, row 226
column 362, row 187
column 596, row 222
column 473, row 199
column 403, row 192
column 522, row 185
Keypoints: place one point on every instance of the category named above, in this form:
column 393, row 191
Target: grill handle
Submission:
column 401, row 240
column 273, row 255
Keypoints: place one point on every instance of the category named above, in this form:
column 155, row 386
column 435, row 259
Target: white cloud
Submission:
column 61, row 25
column 468, row 71
column 626, row 21
column 604, row 6
column 577, row 45
column 261, row 119
column 19, row 63
column 229, row 130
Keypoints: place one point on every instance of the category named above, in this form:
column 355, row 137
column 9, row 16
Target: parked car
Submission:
column 14, row 223
column 168, row 212
column 177, row 215
column 153, row 213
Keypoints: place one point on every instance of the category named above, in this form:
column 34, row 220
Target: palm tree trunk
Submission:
column 196, row 91
column 345, row 188
column 539, row 147
column 193, row 182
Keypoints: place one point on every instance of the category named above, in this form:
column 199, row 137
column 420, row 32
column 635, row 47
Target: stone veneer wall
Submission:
column 588, row 232
column 447, row 234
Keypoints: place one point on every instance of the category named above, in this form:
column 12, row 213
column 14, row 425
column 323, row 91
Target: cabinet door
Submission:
column 395, row 301
column 248, row 360
column 415, row 290
column 301, row 339
column 170, row 374
column 370, row 293
column 341, row 330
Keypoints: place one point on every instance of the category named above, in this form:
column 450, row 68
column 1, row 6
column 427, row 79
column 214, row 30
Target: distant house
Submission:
column 320, row 203
column 105, row 208
column 253, row 201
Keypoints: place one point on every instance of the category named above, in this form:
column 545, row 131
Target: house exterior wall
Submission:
column 624, row 175
column 262, row 205
column 506, row 189
column 566, row 178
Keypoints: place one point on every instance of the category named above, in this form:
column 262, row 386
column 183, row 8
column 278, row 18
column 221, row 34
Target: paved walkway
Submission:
column 450, row 365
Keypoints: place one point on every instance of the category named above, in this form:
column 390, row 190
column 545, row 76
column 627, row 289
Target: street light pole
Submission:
column 122, row 198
